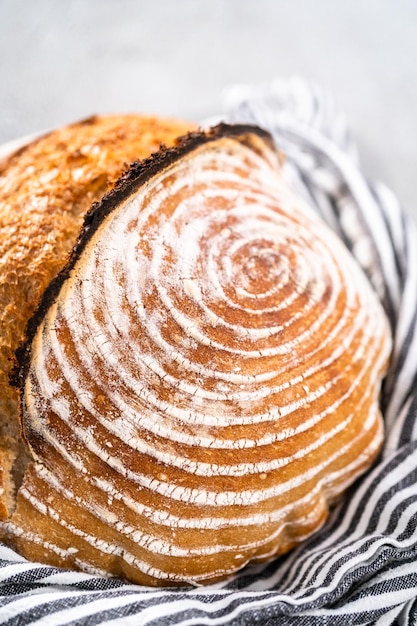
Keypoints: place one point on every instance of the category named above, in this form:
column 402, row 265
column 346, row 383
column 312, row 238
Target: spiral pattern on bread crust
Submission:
column 205, row 380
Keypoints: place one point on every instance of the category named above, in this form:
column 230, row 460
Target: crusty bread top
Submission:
column 45, row 190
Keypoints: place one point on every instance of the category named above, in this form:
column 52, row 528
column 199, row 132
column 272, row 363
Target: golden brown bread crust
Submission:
column 45, row 190
column 203, row 377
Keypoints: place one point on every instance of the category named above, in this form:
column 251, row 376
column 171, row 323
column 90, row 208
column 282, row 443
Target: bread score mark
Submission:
column 211, row 355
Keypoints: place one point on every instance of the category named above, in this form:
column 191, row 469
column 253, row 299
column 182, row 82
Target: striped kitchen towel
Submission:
column 361, row 568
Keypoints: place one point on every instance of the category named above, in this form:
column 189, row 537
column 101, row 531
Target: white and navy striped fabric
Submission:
column 361, row 568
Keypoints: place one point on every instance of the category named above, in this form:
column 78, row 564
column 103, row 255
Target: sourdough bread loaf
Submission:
column 200, row 382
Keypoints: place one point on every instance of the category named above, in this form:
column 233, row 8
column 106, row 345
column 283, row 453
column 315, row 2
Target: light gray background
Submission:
column 61, row 60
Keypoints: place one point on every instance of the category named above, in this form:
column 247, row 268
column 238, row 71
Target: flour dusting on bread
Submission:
column 201, row 380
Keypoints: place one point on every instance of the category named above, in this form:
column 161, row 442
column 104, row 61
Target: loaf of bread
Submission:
column 201, row 380
column 45, row 190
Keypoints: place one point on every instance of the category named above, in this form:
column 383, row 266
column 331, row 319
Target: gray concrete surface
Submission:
column 63, row 60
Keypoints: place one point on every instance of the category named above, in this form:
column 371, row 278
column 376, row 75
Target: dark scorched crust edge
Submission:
column 136, row 175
